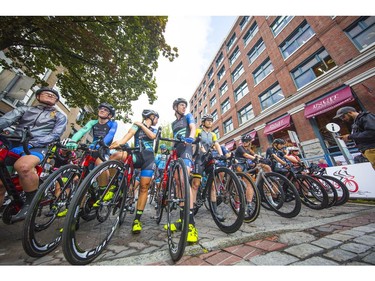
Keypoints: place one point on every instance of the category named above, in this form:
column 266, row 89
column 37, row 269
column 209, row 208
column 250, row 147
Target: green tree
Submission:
column 106, row 58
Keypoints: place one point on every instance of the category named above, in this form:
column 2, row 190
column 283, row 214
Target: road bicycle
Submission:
column 15, row 197
column 43, row 226
column 84, row 240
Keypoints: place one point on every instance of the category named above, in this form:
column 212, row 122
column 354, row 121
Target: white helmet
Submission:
column 65, row 141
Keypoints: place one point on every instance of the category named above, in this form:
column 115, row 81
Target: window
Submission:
column 262, row 71
column 209, row 75
column 231, row 41
column 244, row 21
column 363, row 32
column 279, row 24
column 223, row 89
column 213, row 101
column 234, row 56
column 204, row 83
column 271, row 96
column 205, row 110
column 314, row 67
column 225, row 106
column 214, row 115
column 200, row 102
column 195, row 97
column 241, row 91
column 250, row 34
column 219, row 59
column 245, row 114
column 221, row 73
column 256, row 51
column 228, row 126
column 195, row 108
column 204, row 96
column 237, row 72
column 217, row 132
column 212, row 86
column 299, row 37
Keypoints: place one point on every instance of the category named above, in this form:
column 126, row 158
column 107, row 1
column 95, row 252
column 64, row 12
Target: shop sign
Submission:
column 277, row 125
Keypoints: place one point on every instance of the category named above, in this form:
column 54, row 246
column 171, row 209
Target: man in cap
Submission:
column 363, row 130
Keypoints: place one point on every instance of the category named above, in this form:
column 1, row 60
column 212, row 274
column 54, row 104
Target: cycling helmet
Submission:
column 207, row 116
column 246, row 138
column 146, row 113
column 109, row 107
column 178, row 101
column 292, row 148
column 46, row 89
column 163, row 146
column 278, row 141
column 65, row 141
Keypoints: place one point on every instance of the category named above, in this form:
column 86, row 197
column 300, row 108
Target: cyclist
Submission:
column 293, row 157
column 276, row 154
column 47, row 124
column 207, row 139
column 184, row 126
column 144, row 134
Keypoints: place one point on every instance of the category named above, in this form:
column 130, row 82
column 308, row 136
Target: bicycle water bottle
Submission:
column 164, row 182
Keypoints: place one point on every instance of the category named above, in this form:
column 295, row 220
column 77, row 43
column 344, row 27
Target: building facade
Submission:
column 285, row 77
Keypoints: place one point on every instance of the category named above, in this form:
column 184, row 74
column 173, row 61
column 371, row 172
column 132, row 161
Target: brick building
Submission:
column 285, row 77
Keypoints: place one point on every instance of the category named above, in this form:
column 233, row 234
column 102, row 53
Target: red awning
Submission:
column 277, row 125
column 329, row 102
column 229, row 145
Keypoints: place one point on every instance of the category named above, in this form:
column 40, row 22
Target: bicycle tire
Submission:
column 83, row 241
column 41, row 232
column 230, row 199
column 329, row 187
column 341, row 188
column 250, row 215
column 312, row 193
column 160, row 196
column 152, row 191
column 288, row 202
column 178, row 194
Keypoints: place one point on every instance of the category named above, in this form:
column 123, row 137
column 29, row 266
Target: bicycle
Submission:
column 83, row 241
column 42, row 231
column 15, row 198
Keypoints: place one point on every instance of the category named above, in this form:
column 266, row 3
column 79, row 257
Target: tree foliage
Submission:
column 106, row 58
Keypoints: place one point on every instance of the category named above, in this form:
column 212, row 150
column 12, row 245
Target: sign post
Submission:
column 334, row 129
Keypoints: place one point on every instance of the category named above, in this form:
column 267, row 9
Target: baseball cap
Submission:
column 344, row 110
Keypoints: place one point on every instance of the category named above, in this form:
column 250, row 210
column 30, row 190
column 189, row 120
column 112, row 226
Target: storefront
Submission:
column 278, row 129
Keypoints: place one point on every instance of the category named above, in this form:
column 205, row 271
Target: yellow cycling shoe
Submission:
column 175, row 226
column 137, row 227
column 107, row 197
column 62, row 213
column 192, row 236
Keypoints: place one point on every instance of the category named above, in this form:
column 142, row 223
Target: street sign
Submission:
column 333, row 127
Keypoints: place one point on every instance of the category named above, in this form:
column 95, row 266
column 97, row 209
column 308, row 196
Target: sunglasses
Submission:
column 104, row 109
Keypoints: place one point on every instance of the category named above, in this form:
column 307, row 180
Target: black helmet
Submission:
column 246, row 137
column 146, row 113
column 278, row 141
column 109, row 107
column 207, row 116
column 178, row 101
column 46, row 89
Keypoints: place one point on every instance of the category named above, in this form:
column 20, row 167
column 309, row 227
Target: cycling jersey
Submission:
column 181, row 127
column 107, row 131
column 207, row 138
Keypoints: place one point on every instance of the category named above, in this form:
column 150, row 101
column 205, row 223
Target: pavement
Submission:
column 340, row 235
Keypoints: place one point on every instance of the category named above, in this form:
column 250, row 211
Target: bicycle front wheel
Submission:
column 312, row 193
column 341, row 189
column 226, row 199
column 177, row 209
column 44, row 223
column 84, row 240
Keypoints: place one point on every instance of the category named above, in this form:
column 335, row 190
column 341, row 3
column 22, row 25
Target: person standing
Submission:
column 363, row 130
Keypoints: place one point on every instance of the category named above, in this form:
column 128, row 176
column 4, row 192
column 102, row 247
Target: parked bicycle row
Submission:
column 85, row 197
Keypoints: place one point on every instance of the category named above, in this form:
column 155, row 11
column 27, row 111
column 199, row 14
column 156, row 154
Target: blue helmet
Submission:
column 163, row 146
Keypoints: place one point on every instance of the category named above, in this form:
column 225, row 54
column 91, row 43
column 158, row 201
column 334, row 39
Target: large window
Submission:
column 219, row 59
column 262, row 71
column 236, row 53
column 213, row 101
column 228, row 126
column 314, row 67
column 256, row 51
column 237, row 72
column 245, row 114
column 362, row 32
column 250, row 33
column 214, row 115
column 299, row 37
column 225, row 106
column 271, row 96
column 212, row 86
column 217, row 132
column 231, row 41
column 224, row 88
column 221, row 73
column 241, row 91
column 244, row 21
column 209, row 75
column 279, row 24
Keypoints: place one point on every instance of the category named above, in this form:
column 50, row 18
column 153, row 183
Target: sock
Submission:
column 138, row 214
column 191, row 217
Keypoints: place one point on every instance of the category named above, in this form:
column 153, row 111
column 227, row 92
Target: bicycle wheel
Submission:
column 329, row 188
column 224, row 190
column 178, row 203
column 160, row 196
column 312, row 193
column 84, row 240
column 43, row 224
column 279, row 194
column 252, row 197
column 341, row 189
column 152, row 191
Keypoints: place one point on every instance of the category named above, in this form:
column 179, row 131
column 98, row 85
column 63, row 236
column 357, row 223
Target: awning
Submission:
column 252, row 135
column 277, row 125
column 329, row 102
column 229, row 145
